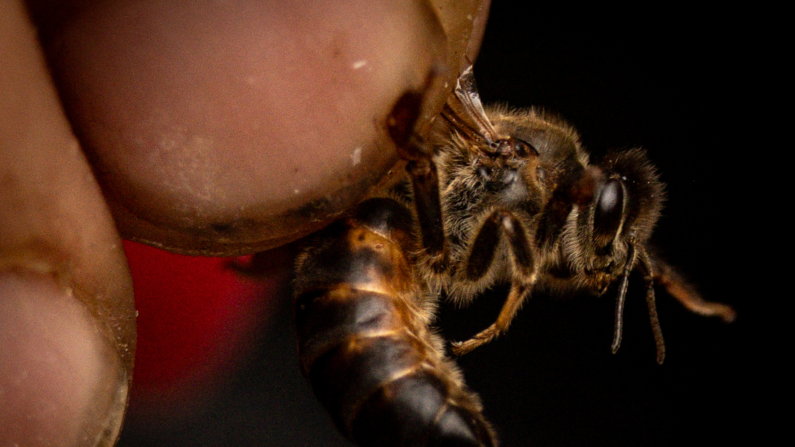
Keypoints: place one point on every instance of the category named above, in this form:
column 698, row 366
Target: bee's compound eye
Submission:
column 609, row 212
column 523, row 149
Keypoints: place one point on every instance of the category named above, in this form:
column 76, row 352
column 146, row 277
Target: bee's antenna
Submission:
column 622, row 294
column 652, row 305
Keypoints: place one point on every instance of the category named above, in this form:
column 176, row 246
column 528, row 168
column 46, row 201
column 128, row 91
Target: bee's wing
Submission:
column 464, row 111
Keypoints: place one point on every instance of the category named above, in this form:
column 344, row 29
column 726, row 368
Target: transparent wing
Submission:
column 465, row 113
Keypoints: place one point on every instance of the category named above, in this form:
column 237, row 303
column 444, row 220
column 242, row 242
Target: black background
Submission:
column 682, row 85
column 678, row 83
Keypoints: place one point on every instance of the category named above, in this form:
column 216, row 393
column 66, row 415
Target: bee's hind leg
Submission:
column 480, row 259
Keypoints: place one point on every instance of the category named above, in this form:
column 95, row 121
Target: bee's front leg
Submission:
column 425, row 184
column 424, row 177
column 684, row 292
column 480, row 260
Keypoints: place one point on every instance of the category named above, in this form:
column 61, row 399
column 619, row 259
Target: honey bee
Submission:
column 497, row 195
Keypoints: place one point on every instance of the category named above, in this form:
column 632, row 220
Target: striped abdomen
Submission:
column 364, row 340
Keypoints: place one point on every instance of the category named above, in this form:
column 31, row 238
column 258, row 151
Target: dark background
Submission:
column 683, row 85
column 680, row 85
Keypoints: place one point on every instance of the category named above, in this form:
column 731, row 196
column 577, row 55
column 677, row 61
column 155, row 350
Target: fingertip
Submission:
column 61, row 382
column 254, row 134
column 67, row 317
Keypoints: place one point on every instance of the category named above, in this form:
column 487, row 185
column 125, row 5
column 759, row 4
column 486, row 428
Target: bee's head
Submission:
column 623, row 206
column 628, row 203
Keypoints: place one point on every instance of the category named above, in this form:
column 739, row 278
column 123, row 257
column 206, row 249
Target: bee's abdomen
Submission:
column 364, row 345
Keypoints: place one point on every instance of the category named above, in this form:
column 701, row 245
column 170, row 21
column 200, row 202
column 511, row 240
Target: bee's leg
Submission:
column 480, row 259
column 425, row 183
column 424, row 178
column 667, row 276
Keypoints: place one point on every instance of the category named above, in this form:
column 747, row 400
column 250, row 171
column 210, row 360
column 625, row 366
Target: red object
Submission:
column 194, row 317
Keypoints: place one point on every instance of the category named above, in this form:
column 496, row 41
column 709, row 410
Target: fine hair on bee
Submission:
column 495, row 195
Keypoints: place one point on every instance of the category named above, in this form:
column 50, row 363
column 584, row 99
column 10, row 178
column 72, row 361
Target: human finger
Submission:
column 67, row 332
column 232, row 127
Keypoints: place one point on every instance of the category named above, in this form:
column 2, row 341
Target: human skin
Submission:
column 206, row 128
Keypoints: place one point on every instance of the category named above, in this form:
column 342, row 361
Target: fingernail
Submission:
column 61, row 383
